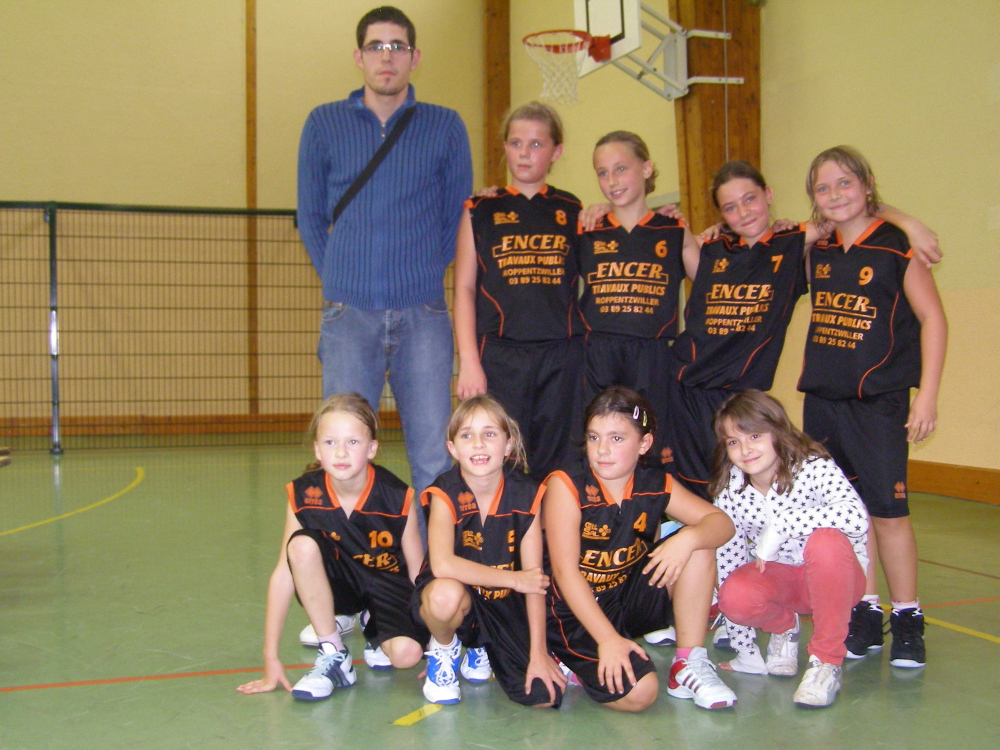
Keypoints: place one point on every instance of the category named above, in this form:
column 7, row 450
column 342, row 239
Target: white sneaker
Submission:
column 665, row 637
column 695, row 678
column 783, row 652
column 376, row 659
column 820, row 685
column 441, row 685
column 476, row 665
column 333, row 669
column 309, row 639
column 748, row 663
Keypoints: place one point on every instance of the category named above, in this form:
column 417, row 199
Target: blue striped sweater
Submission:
column 391, row 245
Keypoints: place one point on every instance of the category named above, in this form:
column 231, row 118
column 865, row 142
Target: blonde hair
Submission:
column 639, row 149
column 753, row 411
column 850, row 160
column 536, row 112
column 504, row 421
column 350, row 403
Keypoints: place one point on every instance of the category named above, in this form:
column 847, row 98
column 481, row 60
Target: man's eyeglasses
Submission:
column 377, row 48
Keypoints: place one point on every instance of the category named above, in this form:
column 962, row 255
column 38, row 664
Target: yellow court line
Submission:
column 421, row 713
column 960, row 629
column 139, row 475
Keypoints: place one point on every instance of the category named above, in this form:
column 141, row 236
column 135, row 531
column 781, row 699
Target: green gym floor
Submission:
column 132, row 588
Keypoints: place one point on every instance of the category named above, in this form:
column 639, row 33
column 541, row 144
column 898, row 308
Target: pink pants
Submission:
column 827, row 586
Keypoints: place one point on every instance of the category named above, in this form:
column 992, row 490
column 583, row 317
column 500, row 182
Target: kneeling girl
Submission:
column 484, row 586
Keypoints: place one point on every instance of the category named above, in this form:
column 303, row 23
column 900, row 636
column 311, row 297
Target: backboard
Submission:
column 618, row 19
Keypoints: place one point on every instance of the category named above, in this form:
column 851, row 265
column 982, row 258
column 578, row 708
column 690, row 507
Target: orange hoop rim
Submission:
column 559, row 49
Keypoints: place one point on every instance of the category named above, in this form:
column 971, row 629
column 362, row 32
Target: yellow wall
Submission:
column 916, row 87
column 142, row 102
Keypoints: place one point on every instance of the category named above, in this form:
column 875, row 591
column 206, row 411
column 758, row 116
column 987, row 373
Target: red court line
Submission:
column 964, row 601
column 146, row 678
column 961, row 570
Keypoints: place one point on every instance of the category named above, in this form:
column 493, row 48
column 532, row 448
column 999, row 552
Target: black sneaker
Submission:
column 865, row 633
column 907, row 628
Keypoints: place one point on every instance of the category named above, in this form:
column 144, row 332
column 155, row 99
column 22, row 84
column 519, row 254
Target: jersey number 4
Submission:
column 640, row 523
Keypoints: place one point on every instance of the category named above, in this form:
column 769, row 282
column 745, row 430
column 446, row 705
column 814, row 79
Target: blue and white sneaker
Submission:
column 441, row 685
column 476, row 665
column 376, row 658
column 333, row 670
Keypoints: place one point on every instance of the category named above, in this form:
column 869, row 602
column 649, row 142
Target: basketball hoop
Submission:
column 559, row 54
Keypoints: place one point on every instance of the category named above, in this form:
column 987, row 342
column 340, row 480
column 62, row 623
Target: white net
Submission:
column 559, row 55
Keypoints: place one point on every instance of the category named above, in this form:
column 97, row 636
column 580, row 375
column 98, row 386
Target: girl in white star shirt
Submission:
column 799, row 546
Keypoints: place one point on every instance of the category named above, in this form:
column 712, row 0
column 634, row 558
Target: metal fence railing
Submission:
column 140, row 326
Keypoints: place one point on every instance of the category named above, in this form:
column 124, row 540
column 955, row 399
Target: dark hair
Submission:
column 504, row 421
column 386, row 14
column 639, row 149
column 850, row 160
column 536, row 112
column 734, row 170
column 352, row 403
column 621, row 400
column 753, row 411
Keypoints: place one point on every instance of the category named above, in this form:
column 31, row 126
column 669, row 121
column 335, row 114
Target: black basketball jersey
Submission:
column 864, row 338
column 613, row 539
column 527, row 251
column 373, row 535
column 497, row 543
column 631, row 280
column 741, row 302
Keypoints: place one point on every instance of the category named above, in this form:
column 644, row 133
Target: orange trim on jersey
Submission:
column 496, row 304
column 766, row 237
column 564, row 478
column 626, row 495
column 892, row 345
column 360, row 504
column 536, row 503
column 290, row 489
column 407, row 501
column 861, row 237
column 666, row 325
column 496, row 498
column 425, row 500
column 754, row 354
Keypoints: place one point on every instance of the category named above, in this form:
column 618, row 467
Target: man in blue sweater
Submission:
column 382, row 265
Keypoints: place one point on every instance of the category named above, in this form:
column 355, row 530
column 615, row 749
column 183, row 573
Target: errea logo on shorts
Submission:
column 501, row 218
column 900, row 488
column 313, row 496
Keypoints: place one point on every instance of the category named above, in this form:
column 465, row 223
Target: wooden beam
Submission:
column 964, row 482
column 496, row 94
column 253, row 362
column 717, row 123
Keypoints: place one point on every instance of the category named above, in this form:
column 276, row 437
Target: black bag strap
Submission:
column 377, row 157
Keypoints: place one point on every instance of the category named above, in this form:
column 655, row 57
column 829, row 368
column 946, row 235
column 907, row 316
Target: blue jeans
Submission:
column 357, row 348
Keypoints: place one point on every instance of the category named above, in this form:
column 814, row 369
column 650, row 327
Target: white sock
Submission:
column 435, row 643
column 899, row 606
column 333, row 638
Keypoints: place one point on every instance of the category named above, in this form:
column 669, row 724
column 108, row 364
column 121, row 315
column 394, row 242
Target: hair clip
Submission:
column 643, row 417
column 635, row 413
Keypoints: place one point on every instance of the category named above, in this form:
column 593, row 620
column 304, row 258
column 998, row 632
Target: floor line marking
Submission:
column 148, row 678
column 960, row 629
column 139, row 475
column 421, row 713
column 964, row 601
column 961, row 570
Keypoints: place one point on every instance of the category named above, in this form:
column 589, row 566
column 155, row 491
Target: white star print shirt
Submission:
column 775, row 528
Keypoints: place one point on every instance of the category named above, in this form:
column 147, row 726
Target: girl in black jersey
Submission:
column 485, row 586
column 350, row 543
column 613, row 580
column 745, row 283
column 877, row 330
column 516, row 324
